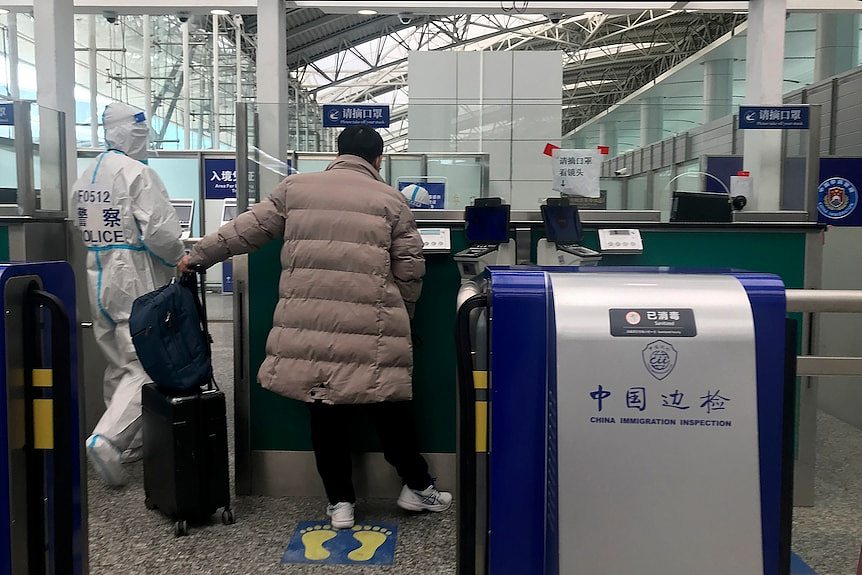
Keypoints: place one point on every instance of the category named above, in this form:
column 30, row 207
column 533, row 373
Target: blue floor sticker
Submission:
column 365, row 544
column 798, row 566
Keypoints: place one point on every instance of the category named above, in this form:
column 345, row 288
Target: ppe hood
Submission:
column 127, row 130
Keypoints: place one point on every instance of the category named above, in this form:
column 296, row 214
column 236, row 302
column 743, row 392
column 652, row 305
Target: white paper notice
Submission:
column 576, row 172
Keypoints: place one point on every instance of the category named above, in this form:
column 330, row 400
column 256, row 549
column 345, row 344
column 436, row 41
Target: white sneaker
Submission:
column 132, row 455
column 106, row 459
column 341, row 515
column 429, row 499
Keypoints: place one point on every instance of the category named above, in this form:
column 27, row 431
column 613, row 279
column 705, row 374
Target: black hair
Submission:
column 362, row 141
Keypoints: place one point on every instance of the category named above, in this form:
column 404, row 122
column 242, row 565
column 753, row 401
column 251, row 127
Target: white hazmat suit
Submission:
column 132, row 235
column 417, row 197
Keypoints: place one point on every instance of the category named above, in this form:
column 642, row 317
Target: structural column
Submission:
column 12, row 29
column 55, row 77
column 764, row 73
column 94, row 82
column 717, row 89
column 608, row 137
column 187, row 87
column 837, row 45
column 216, row 111
column 272, row 86
column 652, row 121
column 148, row 68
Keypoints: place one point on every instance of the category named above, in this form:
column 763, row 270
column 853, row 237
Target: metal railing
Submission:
column 826, row 301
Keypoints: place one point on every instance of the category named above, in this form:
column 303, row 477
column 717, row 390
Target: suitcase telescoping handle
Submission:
column 199, row 291
column 64, row 438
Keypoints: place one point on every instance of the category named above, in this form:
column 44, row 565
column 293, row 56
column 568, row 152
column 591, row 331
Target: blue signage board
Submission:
column 7, row 114
column 773, row 117
column 838, row 192
column 343, row 115
column 219, row 178
column 413, row 191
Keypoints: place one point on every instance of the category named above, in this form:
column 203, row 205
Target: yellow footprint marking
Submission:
column 371, row 538
column 313, row 539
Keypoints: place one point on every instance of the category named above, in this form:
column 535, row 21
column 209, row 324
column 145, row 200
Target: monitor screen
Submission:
column 486, row 224
column 562, row 224
column 184, row 213
column 229, row 213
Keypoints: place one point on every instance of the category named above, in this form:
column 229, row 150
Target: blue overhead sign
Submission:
column 343, row 115
column 7, row 114
column 219, row 178
column 773, row 117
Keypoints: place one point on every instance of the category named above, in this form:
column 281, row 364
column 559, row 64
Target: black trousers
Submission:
column 331, row 429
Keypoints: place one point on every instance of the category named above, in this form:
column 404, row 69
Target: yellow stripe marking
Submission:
column 43, row 423
column 480, row 379
column 481, row 426
column 43, row 378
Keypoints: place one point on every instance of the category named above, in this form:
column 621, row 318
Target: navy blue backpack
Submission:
column 169, row 331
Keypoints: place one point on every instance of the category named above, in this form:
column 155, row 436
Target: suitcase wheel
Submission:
column 181, row 529
column 149, row 504
column 227, row 516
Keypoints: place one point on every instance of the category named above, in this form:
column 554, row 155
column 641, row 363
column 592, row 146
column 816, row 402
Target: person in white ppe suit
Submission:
column 132, row 235
column 417, row 197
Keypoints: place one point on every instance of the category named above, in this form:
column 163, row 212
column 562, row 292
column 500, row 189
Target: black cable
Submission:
column 465, row 552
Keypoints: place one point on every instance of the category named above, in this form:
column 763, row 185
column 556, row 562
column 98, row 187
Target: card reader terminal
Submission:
column 185, row 209
column 486, row 227
column 564, row 233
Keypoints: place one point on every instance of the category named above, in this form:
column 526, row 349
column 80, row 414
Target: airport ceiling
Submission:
column 606, row 56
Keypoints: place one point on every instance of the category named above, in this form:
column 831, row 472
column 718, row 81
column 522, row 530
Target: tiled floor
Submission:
column 125, row 538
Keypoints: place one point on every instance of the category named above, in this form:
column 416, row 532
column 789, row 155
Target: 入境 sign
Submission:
column 219, row 178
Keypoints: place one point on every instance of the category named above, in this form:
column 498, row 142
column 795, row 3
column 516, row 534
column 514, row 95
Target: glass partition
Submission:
column 462, row 178
column 457, row 177
column 405, row 166
column 662, row 199
column 613, row 188
column 49, row 160
column 637, row 196
column 8, row 167
column 33, row 177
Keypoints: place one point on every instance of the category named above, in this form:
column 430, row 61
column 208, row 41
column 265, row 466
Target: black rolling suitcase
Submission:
column 185, row 450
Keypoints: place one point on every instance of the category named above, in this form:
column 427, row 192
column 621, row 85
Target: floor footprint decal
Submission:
column 313, row 539
column 371, row 539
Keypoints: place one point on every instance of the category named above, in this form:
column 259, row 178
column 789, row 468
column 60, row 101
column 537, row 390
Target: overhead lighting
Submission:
column 366, row 12
column 220, row 12
column 3, row 11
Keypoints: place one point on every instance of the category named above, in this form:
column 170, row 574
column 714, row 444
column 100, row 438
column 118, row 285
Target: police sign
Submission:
column 774, row 117
column 341, row 115
column 97, row 217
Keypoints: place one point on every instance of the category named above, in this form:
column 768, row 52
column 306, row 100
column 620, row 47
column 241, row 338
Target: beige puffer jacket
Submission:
column 352, row 258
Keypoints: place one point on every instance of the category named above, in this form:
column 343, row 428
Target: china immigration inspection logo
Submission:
column 837, row 198
column 659, row 359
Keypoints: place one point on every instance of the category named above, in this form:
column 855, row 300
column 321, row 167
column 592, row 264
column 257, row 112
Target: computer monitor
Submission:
column 229, row 212
column 562, row 224
column 487, row 224
column 184, row 213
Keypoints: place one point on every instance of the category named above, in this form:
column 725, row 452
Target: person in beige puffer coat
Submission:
column 352, row 269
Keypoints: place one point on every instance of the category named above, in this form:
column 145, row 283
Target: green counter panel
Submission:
column 4, row 244
column 278, row 423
